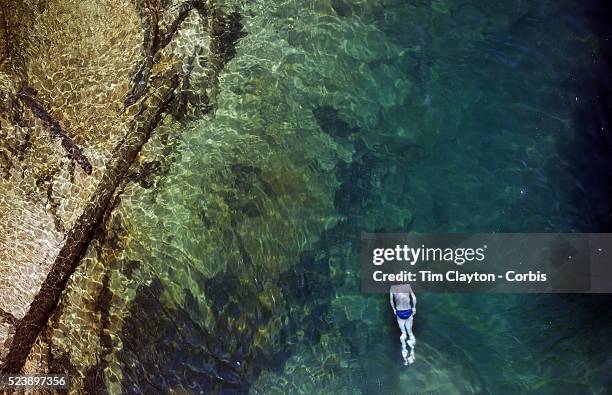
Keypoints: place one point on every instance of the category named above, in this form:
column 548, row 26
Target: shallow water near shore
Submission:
column 237, row 268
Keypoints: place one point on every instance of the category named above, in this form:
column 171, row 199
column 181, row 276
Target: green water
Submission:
column 238, row 269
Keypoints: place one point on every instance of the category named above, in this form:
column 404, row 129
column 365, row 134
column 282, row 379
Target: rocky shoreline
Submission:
column 163, row 84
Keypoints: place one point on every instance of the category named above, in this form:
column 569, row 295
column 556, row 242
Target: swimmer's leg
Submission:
column 411, row 338
column 402, row 325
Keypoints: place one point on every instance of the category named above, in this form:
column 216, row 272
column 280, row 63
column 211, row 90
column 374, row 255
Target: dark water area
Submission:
column 342, row 117
column 589, row 153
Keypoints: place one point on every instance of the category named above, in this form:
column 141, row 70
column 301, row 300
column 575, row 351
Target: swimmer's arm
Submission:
column 414, row 301
column 392, row 301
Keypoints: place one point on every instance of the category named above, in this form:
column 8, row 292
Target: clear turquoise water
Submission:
column 341, row 117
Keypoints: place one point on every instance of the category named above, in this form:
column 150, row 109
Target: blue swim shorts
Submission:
column 404, row 314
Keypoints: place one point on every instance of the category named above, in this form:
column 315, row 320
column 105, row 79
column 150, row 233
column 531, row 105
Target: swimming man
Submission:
column 403, row 302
